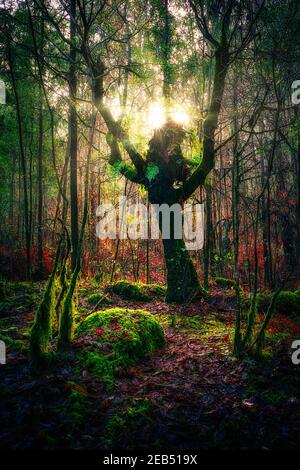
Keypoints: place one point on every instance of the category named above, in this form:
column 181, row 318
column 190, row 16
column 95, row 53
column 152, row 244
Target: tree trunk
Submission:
column 73, row 136
column 182, row 277
column 208, row 232
column 40, row 188
column 22, row 159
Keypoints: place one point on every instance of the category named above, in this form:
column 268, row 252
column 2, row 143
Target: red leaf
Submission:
column 99, row 331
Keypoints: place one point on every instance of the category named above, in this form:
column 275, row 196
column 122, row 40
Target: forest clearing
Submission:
column 150, row 226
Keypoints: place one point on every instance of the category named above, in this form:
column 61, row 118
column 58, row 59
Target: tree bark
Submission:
column 73, row 136
column 182, row 278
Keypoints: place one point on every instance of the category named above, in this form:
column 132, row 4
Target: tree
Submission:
column 164, row 147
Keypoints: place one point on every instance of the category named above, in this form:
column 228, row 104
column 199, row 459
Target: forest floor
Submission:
column 192, row 394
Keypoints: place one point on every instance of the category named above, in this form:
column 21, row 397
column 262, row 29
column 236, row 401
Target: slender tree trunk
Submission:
column 40, row 186
column 236, row 223
column 166, row 52
column 22, row 160
column 208, row 234
column 73, row 135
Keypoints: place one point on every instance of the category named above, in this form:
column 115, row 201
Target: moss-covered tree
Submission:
column 174, row 182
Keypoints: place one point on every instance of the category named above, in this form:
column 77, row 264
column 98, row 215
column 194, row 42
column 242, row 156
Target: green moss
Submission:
column 136, row 416
column 129, row 290
column 42, row 328
column 12, row 344
column 136, row 291
column 77, row 403
column 287, row 303
column 93, row 299
column 274, row 396
column 224, row 282
column 155, row 289
column 66, row 321
column 6, row 339
column 119, row 338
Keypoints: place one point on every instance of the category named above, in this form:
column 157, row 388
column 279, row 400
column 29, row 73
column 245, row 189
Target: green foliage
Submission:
column 136, row 291
column 119, row 338
column 124, row 168
column 152, row 171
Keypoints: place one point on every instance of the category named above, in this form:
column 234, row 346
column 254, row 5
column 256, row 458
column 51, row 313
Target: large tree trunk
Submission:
column 182, row 278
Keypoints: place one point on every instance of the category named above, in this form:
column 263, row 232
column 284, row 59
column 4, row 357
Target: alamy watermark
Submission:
column 2, row 92
column 296, row 354
column 2, row 353
column 137, row 221
column 296, row 92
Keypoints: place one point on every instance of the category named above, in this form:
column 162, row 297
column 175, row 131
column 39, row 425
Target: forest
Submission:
column 150, row 225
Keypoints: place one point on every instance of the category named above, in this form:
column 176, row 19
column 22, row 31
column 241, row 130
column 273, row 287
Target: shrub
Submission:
column 136, row 291
column 117, row 338
column 224, row 282
column 288, row 302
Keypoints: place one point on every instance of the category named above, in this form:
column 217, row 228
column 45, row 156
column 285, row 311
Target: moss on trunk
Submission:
column 182, row 280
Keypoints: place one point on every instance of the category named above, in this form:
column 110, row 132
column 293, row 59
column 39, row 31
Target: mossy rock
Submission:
column 224, row 282
column 116, row 338
column 93, row 299
column 155, row 289
column 136, row 291
column 287, row 303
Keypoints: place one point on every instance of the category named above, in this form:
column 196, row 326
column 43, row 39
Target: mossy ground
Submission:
column 137, row 415
column 191, row 393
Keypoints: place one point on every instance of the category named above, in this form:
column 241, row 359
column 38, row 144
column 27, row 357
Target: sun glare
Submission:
column 116, row 108
column 156, row 115
column 180, row 116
